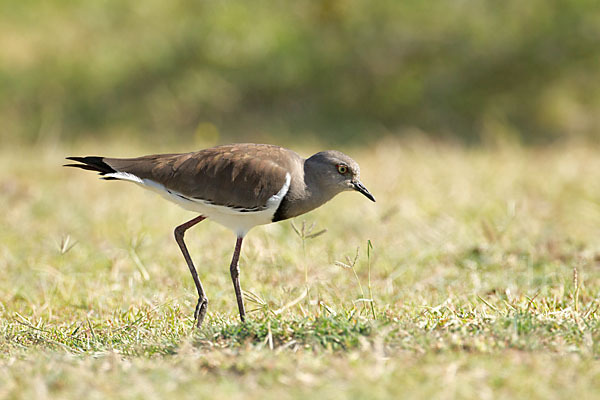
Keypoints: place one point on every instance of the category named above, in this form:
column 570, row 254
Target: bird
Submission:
column 238, row 186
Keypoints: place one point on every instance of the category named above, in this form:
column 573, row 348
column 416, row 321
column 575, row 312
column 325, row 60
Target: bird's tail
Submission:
column 93, row 163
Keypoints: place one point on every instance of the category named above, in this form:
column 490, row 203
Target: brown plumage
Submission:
column 261, row 168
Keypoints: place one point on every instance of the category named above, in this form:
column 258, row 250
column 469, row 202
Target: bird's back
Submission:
column 241, row 176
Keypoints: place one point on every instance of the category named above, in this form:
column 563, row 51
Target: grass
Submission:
column 475, row 275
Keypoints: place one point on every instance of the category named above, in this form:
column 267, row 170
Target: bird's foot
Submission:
column 200, row 311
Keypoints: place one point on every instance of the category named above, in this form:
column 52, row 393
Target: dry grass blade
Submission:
column 486, row 303
column 316, row 234
column 576, row 290
column 292, row 303
column 295, row 229
column 139, row 264
column 66, row 245
column 254, row 298
column 343, row 265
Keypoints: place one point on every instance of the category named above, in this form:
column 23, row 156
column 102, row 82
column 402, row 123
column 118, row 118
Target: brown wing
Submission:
column 240, row 175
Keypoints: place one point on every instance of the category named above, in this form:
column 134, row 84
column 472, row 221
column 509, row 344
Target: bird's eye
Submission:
column 342, row 169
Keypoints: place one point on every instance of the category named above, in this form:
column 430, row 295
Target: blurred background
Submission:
column 341, row 71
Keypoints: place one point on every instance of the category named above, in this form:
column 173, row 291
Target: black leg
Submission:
column 202, row 305
column 235, row 277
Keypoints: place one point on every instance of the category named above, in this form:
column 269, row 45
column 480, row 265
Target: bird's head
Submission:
column 338, row 172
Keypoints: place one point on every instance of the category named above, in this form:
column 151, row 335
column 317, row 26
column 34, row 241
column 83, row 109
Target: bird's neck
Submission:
column 305, row 194
column 318, row 191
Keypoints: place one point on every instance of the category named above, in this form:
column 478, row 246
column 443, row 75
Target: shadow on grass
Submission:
column 328, row 332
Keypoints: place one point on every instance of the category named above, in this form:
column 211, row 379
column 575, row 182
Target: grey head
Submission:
column 333, row 172
column 326, row 174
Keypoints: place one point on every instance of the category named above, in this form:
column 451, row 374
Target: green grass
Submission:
column 482, row 281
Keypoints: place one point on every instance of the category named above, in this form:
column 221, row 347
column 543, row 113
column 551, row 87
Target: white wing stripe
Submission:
column 126, row 176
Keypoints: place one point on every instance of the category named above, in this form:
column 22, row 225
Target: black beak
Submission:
column 359, row 187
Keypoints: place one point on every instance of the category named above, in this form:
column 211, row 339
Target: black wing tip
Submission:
column 86, row 159
column 91, row 163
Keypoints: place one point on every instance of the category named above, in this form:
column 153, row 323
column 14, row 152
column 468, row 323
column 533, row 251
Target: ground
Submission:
column 475, row 275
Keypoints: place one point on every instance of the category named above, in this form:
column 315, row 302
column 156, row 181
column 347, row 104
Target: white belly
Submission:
column 239, row 222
